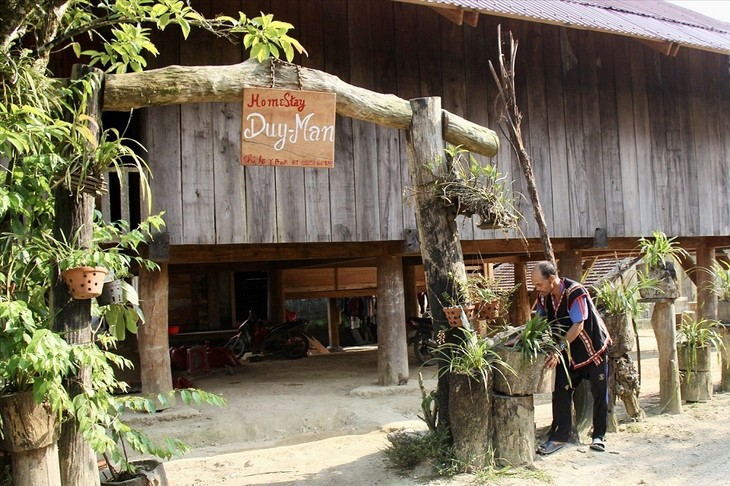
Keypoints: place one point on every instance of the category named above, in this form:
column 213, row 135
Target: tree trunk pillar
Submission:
column 392, row 345
column 663, row 323
column 333, row 325
column 276, row 310
column 443, row 260
column 74, row 216
column 153, row 338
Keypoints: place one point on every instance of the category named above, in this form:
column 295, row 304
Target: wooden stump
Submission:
column 30, row 434
column 519, row 377
column 662, row 321
column 696, row 386
column 469, row 411
column 696, row 373
column 514, row 438
column 623, row 383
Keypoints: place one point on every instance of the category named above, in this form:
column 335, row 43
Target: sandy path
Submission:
column 297, row 422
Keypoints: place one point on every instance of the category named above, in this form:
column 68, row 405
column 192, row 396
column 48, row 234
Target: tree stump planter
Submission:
column 30, row 433
column 527, row 377
column 150, row 472
column 469, row 412
column 665, row 288
column 514, row 438
column 622, row 334
column 695, row 369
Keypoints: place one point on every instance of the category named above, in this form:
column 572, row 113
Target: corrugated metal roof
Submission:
column 653, row 20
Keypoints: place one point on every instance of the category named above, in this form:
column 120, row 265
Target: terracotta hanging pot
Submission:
column 85, row 282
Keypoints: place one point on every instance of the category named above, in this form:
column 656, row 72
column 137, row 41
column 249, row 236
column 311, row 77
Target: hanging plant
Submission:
column 476, row 189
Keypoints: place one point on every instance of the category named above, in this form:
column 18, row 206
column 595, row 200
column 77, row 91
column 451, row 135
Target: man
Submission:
column 583, row 340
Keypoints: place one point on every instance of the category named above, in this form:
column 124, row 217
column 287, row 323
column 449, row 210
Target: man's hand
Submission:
column 551, row 360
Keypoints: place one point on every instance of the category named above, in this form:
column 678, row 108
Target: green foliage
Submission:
column 47, row 142
column 695, row 334
column 658, row 250
column 699, row 333
column 119, row 434
column 534, row 339
column 616, row 298
column 409, row 449
column 124, row 316
column 471, row 354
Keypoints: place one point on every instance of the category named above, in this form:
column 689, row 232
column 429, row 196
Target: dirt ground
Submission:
column 323, row 420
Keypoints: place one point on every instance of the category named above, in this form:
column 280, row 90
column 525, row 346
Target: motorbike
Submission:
column 421, row 334
column 288, row 339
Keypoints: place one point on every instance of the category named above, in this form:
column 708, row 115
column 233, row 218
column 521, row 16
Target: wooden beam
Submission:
column 175, row 85
column 455, row 15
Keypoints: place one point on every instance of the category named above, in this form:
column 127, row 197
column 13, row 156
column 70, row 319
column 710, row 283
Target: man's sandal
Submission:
column 598, row 445
column 549, row 447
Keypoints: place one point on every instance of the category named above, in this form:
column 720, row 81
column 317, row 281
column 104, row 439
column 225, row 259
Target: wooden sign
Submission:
column 288, row 128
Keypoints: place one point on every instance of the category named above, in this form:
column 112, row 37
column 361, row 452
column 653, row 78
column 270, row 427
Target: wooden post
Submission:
column 276, row 310
column 154, row 342
column 392, row 345
column 333, row 323
column 411, row 292
column 706, row 298
column 521, row 305
column 438, row 234
column 725, row 380
column 72, row 318
column 662, row 321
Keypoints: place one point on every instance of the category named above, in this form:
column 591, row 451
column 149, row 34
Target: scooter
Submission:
column 420, row 333
column 288, row 339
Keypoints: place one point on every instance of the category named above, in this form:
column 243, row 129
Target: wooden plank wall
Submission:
column 621, row 136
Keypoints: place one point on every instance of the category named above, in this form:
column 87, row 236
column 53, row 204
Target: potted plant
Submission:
column 695, row 339
column 522, row 359
column 659, row 274
column 476, row 188
column 471, row 360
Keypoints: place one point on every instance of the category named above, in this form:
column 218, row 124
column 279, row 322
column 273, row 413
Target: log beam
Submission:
column 175, row 85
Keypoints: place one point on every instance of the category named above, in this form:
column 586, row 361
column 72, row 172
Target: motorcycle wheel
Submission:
column 235, row 344
column 423, row 348
column 296, row 346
